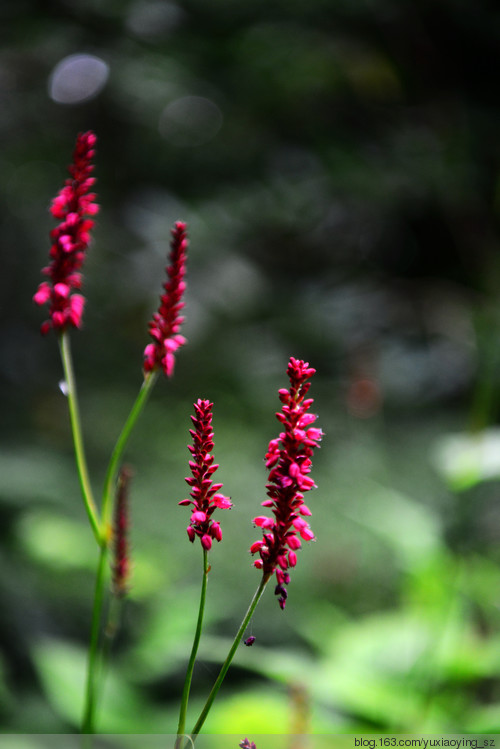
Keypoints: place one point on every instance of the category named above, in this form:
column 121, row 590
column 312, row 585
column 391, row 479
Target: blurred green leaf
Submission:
column 56, row 541
column 408, row 527
column 62, row 668
column 466, row 459
column 261, row 710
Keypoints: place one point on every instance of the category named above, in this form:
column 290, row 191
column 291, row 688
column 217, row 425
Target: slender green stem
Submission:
column 225, row 666
column 93, row 664
column 109, row 482
column 194, row 650
column 104, row 537
column 111, row 626
column 74, row 413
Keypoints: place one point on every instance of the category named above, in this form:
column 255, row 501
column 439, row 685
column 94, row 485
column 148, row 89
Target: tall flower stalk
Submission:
column 205, row 498
column 73, row 207
column 166, row 323
column 289, row 458
column 158, row 356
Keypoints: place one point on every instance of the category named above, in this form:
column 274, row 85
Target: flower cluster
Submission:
column 165, row 325
column 121, row 561
column 289, row 458
column 247, row 744
column 70, row 240
column 205, row 494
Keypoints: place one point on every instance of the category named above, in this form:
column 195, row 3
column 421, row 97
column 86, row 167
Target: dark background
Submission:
column 337, row 162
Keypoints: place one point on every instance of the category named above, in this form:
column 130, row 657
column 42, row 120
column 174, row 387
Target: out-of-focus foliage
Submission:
column 337, row 162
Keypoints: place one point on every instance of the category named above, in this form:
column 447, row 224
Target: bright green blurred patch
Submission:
column 408, row 527
column 57, row 541
column 62, row 668
column 251, row 711
column 485, row 719
column 466, row 459
column 166, row 635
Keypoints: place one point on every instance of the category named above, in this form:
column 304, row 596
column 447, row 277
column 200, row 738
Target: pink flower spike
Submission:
column 165, row 325
column 205, row 496
column 289, row 460
column 70, row 241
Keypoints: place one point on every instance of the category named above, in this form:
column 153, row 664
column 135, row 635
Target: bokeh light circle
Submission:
column 78, row 78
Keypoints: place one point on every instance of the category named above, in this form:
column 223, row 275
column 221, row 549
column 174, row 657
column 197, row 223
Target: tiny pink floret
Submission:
column 289, row 459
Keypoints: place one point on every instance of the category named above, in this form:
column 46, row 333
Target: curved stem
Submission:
column 109, row 482
column 194, row 650
column 74, row 413
column 225, row 666
column 93, row 665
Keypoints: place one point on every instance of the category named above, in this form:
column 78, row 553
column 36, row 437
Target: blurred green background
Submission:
column 337, row 162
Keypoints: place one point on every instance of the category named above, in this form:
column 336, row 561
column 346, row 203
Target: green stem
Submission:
column 194, row 650
column 105, row 534
column 109, row 482
column 211, row 697
column 74, row 413
column 111, row 627
column 93, row 665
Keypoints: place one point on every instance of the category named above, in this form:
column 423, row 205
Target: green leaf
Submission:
column 62, row 668
column 466, row 459
column 57, row 541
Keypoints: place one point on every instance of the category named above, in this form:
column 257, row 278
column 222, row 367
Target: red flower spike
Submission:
column 165, row 325
column 289, row 459
column 205, row 494
column 70, row 241
column 121, row 560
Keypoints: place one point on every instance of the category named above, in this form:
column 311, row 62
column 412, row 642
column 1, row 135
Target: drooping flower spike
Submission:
column 165, row 325
column 205, row 494
column 70, row 240
column 289, row 458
